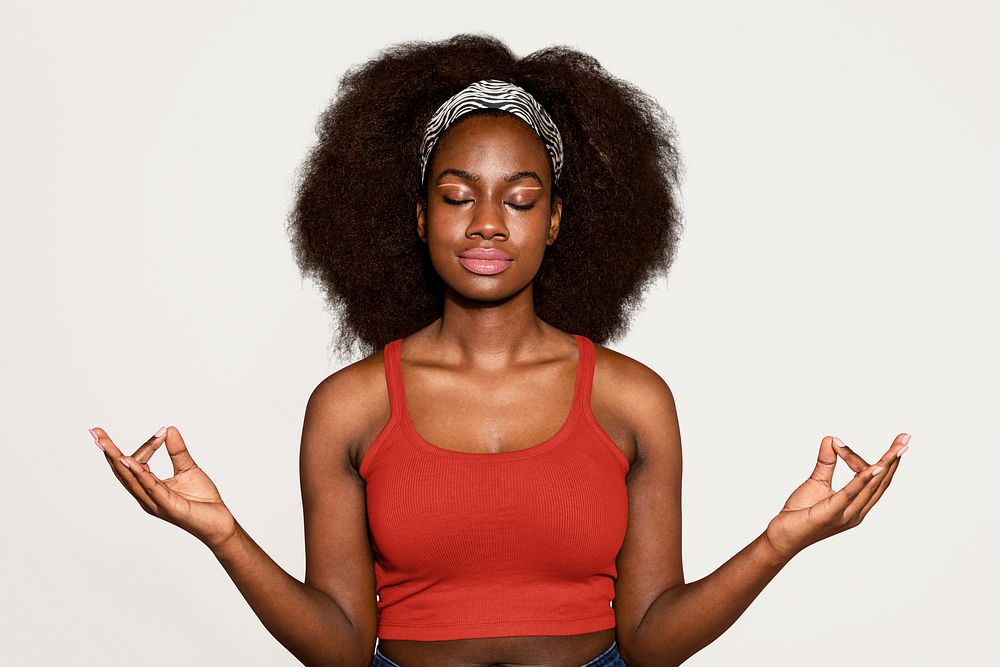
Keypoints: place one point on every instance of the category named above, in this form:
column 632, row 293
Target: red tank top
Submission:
column 503, row 544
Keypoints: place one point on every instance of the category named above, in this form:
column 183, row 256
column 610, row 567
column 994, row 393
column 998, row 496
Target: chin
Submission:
column 492, row 289
column 486, row 295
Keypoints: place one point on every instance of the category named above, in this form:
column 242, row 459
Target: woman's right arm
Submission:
column 331, row 618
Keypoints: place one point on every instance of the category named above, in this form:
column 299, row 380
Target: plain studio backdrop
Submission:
column 833, row 278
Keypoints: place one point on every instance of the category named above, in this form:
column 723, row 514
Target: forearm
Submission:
column 686, row 618
column 306, row 621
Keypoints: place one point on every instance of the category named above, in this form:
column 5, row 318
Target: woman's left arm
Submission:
column 662, row 620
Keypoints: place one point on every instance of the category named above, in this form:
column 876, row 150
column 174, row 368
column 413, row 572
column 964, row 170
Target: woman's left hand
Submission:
column 814, row 511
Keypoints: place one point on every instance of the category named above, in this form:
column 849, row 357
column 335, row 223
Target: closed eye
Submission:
column 459, row 202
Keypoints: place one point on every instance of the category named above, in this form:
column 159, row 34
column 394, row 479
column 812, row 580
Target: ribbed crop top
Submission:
column 470, row 545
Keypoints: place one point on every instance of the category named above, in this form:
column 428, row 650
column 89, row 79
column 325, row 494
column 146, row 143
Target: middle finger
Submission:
column 130, row 483
column 853, row 461
column 860, row 501
column 883, row 485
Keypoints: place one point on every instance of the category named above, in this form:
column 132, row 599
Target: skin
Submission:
column 489, row 329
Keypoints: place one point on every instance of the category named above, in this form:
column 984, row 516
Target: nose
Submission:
column 487, row 220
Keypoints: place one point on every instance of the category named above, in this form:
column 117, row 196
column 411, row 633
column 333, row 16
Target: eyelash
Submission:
column 459, row 202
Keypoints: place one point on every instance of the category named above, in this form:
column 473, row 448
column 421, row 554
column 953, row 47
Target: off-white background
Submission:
column 836, row 276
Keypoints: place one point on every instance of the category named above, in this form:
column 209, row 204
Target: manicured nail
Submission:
column 163, row 429
column 901, row 450
column 837, row 441
column 124, row 462
column 93, row 435
column 905, row 439
column 877, row 470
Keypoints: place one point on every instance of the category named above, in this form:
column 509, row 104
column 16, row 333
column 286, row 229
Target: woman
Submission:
column 507, row 486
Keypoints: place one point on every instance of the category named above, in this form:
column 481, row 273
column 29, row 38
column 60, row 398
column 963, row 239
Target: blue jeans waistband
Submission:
column 610, row 658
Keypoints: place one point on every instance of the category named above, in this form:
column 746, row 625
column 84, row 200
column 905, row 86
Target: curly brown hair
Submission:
column 352, row 226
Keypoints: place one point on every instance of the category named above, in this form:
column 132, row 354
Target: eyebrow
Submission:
column 507, row 178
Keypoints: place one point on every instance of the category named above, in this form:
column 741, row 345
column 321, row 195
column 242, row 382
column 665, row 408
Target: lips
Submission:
column 484, row 261
column 485, row 253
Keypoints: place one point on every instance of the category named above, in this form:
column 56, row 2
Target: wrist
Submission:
column 771, row 554
column 229, row 543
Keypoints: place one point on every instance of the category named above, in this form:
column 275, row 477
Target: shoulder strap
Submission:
column 588, row 353
column 586, row 361
column 394, row 375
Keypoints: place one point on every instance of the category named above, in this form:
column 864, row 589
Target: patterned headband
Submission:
column 494, row 94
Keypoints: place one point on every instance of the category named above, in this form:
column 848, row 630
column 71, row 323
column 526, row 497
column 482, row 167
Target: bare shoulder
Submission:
column 635, row 400
column 649, row 562
column 629, row 374
column 351, row 406
column 342, row 410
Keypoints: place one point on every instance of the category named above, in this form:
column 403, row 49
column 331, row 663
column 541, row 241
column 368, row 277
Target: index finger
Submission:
column 114, row 458
column 837, row 503
column 147, row 448
column 851, row 458
column 142, row 454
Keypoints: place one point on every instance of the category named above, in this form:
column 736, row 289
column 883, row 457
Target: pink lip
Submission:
column 485, row 261
column 485, row 253
column 486, row 267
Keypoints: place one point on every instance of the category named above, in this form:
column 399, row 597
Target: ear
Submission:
column 555, row 216
column 422, row 220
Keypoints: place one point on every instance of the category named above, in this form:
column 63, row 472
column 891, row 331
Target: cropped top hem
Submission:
column 473, row 630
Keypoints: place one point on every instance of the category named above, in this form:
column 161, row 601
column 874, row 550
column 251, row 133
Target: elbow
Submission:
column 634, row 658
column 358, row 659
column 363, row 654
column 661, row 652
column 358, row 654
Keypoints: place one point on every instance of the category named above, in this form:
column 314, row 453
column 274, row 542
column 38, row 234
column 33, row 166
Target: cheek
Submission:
column 535, row 233
column 442, row 240
column 440, row 223
column 441, row 236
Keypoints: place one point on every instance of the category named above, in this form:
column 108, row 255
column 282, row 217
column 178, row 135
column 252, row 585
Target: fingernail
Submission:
column 163, row 429
column 124, row 462
column 901, row 450
column 877, row 470
column 905, row 439
column 837, row 441
column 94, row 436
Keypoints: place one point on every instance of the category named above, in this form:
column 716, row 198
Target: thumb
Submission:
column 179, row 454
column 825, row 462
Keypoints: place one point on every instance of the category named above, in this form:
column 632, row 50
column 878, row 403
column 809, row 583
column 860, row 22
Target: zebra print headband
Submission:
column 494, row 94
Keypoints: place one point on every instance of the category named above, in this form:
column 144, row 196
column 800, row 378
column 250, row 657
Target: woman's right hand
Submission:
column 189, row 499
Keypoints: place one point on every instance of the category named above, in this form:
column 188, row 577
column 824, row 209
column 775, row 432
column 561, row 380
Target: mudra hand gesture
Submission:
column 189, row 499
column 814, row 511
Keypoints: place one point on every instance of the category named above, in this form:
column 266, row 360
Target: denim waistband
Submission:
column 610, row 658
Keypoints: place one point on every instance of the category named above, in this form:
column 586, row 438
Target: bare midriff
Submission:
column 533, row 651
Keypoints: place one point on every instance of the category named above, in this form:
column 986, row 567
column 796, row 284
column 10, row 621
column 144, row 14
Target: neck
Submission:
column 488, row 334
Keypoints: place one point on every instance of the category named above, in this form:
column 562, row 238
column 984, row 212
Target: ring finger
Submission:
column 126, row 477
column 867, row 493
column 881, row 487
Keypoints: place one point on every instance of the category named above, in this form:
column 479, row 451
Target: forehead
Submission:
column 487, row 136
